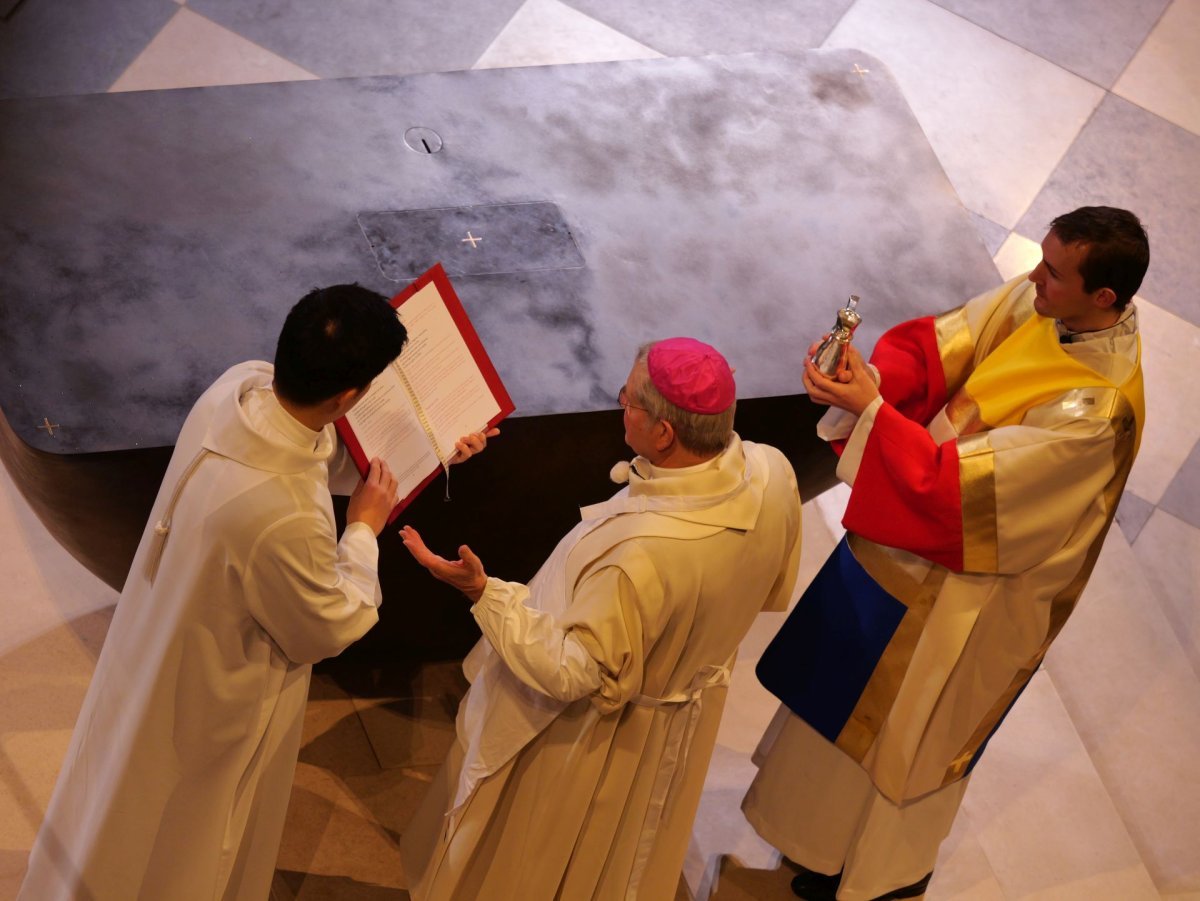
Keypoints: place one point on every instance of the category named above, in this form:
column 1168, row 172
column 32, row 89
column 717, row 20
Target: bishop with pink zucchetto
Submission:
column 597, row 688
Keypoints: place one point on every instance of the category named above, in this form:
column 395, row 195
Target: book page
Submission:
column 387, row 426
column 443, row 375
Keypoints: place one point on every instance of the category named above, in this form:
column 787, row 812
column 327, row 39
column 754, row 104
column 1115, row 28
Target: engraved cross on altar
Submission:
column 48, row 425
column 471, row 239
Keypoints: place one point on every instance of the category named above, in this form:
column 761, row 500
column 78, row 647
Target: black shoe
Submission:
column 908, row 891
column 813, row 886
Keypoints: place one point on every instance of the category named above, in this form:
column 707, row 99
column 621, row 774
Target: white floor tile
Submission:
column 548, row 32
column 1134, row 699
column 192, row 51
column 998, row 117
column 1168, row 551
column 962, row 872
column 44, row 586
column 1164, row 77
column 1031, row 798
column 1016, row 255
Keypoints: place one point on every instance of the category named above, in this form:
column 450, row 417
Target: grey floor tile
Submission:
column 990, row 233
column 998, row 117
column 1132, row 514
column 1164, row 77
column 53, row 48
column 692, row 27
column 367, row 37
column 1182, row 498
column 1095, row 40
column 1130, row 158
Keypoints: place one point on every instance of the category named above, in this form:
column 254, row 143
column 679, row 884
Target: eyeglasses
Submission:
column 623, row 400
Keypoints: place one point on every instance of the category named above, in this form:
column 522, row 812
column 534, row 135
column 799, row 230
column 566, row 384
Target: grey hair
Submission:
column 701, row 433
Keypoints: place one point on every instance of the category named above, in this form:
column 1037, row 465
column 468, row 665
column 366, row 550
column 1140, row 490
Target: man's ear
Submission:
column 342, row 398
column 664, row 436
column 1105, row 298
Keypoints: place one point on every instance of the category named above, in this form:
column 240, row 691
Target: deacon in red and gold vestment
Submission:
column 986, row 450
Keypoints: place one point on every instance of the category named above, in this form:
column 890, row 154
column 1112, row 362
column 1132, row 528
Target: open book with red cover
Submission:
column 441, row 387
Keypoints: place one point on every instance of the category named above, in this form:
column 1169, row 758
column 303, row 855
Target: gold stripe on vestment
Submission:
column 977, row 480
column 955, row 347
column 964, row 414
column 1121, row 418
column 862, row 728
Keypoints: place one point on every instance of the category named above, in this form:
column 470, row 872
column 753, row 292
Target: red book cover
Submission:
column 441, row 387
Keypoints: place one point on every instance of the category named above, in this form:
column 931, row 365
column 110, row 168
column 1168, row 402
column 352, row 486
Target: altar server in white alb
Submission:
column 597, row 689
column 177, row 778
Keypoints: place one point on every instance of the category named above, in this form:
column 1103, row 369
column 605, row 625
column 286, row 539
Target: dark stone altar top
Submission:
column 149, row 240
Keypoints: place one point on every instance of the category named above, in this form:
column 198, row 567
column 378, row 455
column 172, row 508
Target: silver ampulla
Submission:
column 832, row 353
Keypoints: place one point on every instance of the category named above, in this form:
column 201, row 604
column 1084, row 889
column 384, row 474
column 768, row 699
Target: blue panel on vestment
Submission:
column 823, row 657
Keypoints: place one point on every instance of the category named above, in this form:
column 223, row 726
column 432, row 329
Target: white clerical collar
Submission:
column 689, row 488
column 262, row 404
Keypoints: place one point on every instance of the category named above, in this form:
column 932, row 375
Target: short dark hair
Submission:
column 335, row 339
column 1118, row 251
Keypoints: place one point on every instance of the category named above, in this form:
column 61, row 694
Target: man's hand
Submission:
column 469, row 445
column 853, row 389
column 466, row 573
column 374, row 497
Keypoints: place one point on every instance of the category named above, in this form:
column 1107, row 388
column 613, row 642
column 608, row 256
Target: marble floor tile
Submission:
column 737, row 882
column 42, row 686
column 698, row 27
column 1132, row 514
column 366, row 37
column 548, row 32
column 48, row 49
column 992, row 235
column 721, row 829
column 334, row 737
column 998, row 117
column 44, row 586
column 393, row 796
column 329, row 833
column 1131, row 158
column 406, row 732
column 1033, row 794
column 1094, row 40
column 192, row 51
column 1018, row 255
column 1134, row 698
column 1182, row 497
column 1168, row 550
column 1164, row 77
column 962, row 871
column 1170, row 360
column 408, row 715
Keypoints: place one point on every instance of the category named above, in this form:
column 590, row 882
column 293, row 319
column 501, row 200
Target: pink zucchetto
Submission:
column 692, row 375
